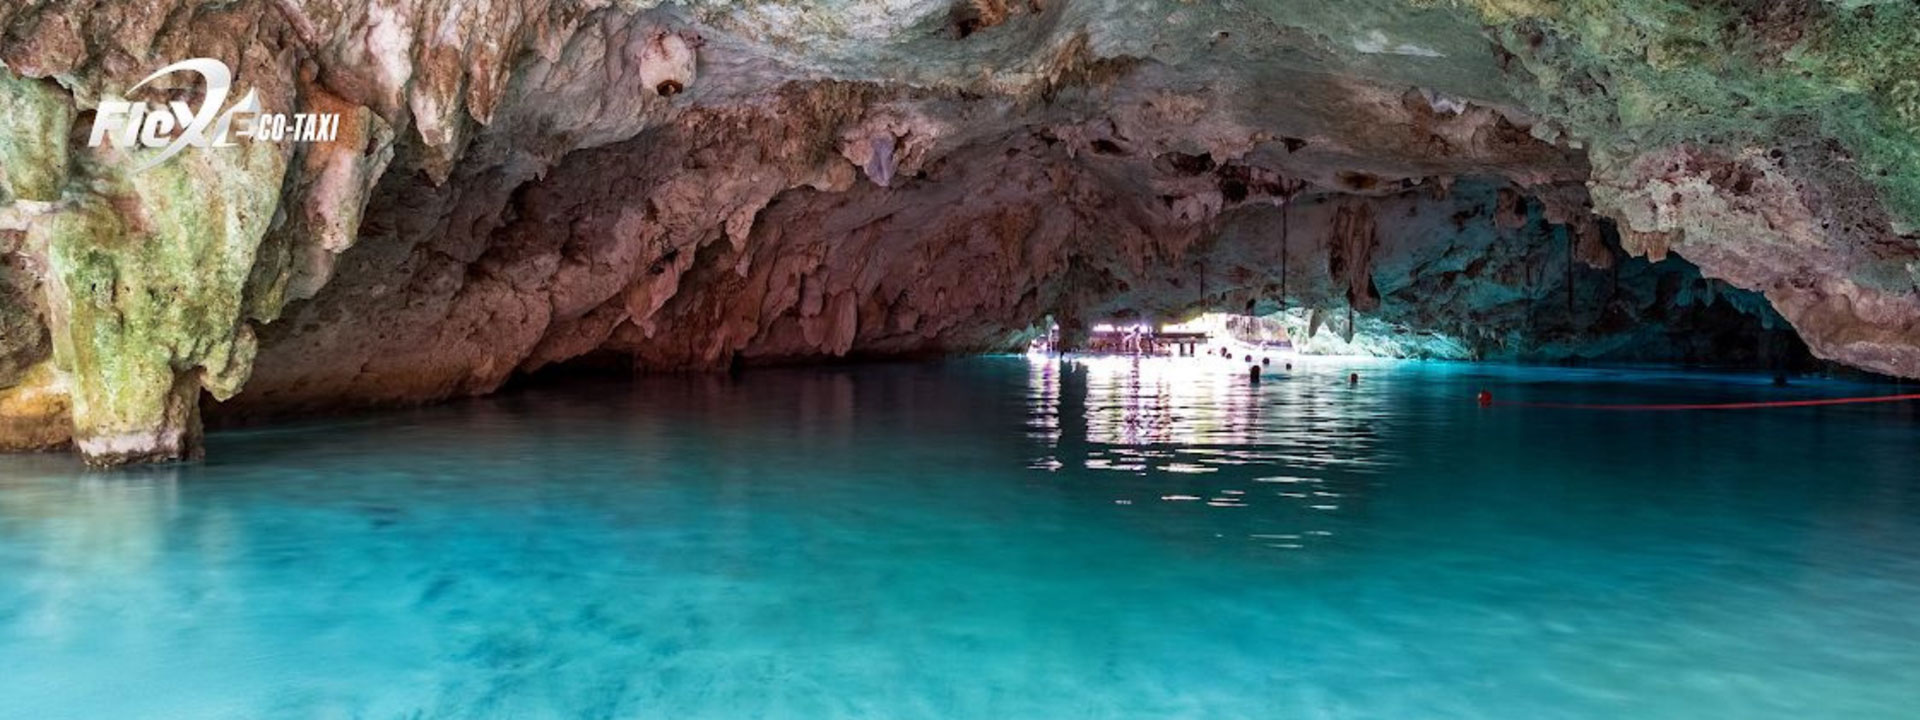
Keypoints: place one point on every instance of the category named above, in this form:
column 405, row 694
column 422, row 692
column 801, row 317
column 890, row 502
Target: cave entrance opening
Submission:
column 1225, row 334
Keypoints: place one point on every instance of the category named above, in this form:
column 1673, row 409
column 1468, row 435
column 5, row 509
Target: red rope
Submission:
column 1715, row 406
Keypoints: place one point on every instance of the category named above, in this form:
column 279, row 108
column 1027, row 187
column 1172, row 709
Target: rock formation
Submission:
column 515, row 184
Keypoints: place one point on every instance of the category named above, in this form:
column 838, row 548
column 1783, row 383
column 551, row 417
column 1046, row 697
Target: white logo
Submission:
column 176, row 125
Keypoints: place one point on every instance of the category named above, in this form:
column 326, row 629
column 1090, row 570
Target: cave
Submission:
column 232, row 233
column 668, row 189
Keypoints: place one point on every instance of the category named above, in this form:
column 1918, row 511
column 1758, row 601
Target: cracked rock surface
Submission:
column 523, row 183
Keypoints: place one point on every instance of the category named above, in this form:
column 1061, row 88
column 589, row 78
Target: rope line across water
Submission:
column 1486, row 400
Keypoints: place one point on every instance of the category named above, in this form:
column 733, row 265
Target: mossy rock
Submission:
column 1633, row 75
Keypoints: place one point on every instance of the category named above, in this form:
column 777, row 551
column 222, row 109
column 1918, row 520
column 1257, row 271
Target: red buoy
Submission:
column 1484, row 398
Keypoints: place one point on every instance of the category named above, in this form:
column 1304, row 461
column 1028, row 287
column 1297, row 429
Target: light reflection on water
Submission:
column 988, row 539
column 1301, row 438
column 1197, row 415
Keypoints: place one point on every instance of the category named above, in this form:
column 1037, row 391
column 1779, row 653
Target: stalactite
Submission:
column 1509, row 209
column 1350, row 257
column 1570, row 259
column 1285, row 204
column 1288, row 190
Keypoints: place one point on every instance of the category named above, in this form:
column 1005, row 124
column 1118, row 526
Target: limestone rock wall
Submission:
column 519, row 183
column 1775, row 143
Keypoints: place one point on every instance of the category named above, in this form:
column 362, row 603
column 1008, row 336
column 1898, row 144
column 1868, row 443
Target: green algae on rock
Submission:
column 147, row 274
column 34, row 122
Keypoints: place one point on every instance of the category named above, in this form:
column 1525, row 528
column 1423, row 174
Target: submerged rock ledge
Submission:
column 519, row 183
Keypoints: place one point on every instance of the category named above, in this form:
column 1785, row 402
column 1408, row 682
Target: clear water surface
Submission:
column 993, row 538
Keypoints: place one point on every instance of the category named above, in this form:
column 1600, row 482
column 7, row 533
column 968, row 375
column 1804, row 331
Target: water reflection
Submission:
column 1198, row 415
column 125, row 516
column 1201, row 415
column 1299, row 447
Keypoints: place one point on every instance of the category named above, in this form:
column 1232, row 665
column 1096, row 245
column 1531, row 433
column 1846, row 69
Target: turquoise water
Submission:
column 993, row 539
